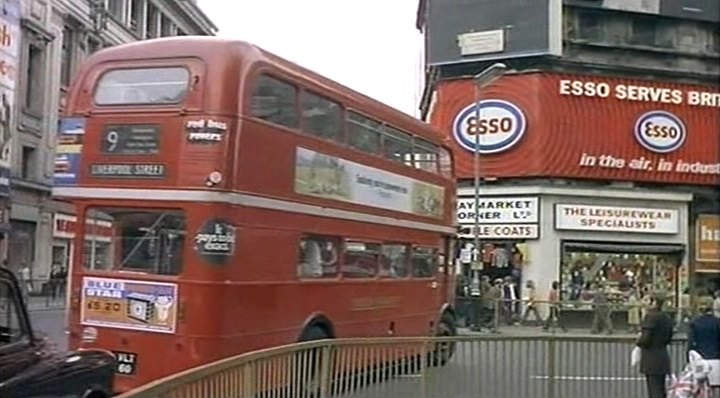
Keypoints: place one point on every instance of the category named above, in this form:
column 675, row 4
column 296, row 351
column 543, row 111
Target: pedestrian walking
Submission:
column 494, row 302
column 602, row 312
column 704, row 337
column 633, row 314
column 531, row 305
column 656, row 334
column 553, row 320
column 716, row 304
column 510, row 300
column 25, row 280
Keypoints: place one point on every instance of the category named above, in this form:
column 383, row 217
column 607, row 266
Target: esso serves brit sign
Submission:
column 501, row 126
column 660, row 131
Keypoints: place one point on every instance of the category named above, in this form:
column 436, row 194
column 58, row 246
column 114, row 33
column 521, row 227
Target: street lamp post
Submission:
column 483, row 79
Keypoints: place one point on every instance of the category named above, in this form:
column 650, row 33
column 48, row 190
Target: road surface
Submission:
column 51, row 322
column 522, row 369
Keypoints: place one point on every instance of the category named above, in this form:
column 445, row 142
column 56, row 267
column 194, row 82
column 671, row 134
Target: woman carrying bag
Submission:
column 704, row 337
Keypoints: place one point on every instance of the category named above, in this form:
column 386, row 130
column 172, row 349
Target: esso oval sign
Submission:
column 660, row 131
column 501, row 126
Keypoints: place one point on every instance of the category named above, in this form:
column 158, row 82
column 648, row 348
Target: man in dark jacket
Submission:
column 657, row 331
column 704, row 337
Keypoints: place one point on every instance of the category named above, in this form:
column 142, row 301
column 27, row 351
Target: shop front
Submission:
column 626, row 248
column 505, row 224
column 98, row 244
column 630, row 242
column 616, row 163
column 63, row 235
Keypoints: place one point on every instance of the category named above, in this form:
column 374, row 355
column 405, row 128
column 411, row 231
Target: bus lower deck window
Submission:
column 145, row 240
column 318, row 257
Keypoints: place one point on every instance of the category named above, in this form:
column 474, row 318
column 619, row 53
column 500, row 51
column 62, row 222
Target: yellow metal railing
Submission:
column 548, row 366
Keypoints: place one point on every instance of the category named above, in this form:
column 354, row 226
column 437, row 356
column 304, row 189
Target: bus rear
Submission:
column 138, row 123
column 202, row 198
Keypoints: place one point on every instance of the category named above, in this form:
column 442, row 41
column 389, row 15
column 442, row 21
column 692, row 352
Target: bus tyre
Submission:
column 444, row 351
column 309, row 387
column 94, row 394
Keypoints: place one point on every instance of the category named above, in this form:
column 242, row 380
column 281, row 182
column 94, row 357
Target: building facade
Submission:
column 599, row 147
column 50, row 38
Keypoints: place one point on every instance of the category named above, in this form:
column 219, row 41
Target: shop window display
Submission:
column 499, row 259
column 623, row 274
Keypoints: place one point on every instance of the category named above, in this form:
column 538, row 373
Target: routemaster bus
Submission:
column 245, row 202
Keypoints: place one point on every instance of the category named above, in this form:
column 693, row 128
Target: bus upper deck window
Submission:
column 426, row 155
column 275, row 101
column 364, row 133
column 143, row 86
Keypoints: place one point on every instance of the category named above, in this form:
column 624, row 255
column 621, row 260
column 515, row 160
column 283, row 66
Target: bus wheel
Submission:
column 95, row 394
column 309, row 386
column 444, row 351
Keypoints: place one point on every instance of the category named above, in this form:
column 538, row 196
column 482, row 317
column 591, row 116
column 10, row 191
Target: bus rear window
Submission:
column 143, row 86
column 144, row 240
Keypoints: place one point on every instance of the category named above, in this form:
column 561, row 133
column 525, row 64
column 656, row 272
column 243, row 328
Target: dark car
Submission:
column 30, row 367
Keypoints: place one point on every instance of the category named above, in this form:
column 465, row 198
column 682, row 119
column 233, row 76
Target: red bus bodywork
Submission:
column 239, row 291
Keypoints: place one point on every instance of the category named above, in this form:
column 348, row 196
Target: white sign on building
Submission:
column 501, row 217
column 616, row 219
column 500, row 210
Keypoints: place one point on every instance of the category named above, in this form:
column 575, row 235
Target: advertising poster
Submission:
column 215, row 241
column 329, row 177
column 9, row 60
column 67, row 154
column 581, row 126
column 707, row 241
column 127, row 304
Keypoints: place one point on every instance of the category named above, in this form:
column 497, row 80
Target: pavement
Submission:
column 36, row 303
column 51, row 323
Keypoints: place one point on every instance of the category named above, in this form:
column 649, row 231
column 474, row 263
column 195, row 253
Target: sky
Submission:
column 371, row 46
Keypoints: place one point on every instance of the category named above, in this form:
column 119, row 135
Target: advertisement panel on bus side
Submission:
column 330, row 177
column 577, row 126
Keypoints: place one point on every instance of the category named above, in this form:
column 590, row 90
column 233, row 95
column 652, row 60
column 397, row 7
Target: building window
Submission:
column 94, row 45
column 644, row 31
column 274, row 102
column 29, row 163
column 151, row 22
column 34, row 78
column 321, row 117
column 590, row 24
column 136, row 16
column 66, row 57
column 116, row 9
column 167, row 27
column 621, row 273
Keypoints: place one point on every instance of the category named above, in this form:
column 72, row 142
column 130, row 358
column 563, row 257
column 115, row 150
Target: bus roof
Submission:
column 210, row 48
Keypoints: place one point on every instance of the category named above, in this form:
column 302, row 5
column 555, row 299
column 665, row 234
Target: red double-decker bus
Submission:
column 230, row 200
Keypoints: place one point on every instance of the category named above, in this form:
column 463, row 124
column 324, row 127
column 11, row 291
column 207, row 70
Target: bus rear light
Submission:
column 214, row 178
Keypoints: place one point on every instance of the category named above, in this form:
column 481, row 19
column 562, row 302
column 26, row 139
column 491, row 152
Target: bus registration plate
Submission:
column 126, row 362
